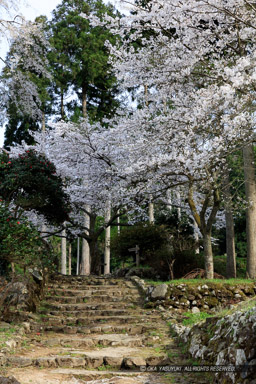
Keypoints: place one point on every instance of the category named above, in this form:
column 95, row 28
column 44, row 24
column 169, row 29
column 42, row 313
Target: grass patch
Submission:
column 172, row 354
column 105, row 368
column 193, row 318
column 203, row 281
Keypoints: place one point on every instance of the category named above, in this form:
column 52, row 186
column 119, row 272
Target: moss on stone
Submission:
column 211, row 301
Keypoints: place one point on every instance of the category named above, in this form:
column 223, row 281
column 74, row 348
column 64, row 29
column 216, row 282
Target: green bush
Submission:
column 220, row 263
column 158, row 248
column 148, row 237
column 20, row 243
column 30, row 182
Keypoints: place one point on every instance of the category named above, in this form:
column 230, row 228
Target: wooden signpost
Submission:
column 136, row 249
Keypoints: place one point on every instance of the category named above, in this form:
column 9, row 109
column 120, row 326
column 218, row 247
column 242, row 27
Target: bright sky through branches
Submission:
column 30, row 9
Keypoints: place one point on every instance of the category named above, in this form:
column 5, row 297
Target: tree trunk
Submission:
column 107, row 241
column 250, row 191
column 43, row 122
column 179, row 203
column 62, row 113
column 85, row 257
column 118, row 223
column 63, row 253
column 196, row 237
column 78, row 256
column 230, row 245
column 96, row 262
column 230, row 231
column 151, row 211
column 84, row 102
column 169, row 199
column 69, row 259
column 95, row 258
column 208, row 256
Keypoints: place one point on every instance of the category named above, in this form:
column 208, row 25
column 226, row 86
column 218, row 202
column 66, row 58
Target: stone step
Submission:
column 91, row 320
column 88, row 291
column 89, row 313
column 81, row 375
column 90, row 294
column 92, row 299
column 46, row 307
column 106, row 340
column 131, row 329
column 75, row 282
column 119, row 357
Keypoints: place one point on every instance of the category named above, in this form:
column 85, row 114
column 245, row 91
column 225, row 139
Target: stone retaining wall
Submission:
column 200, row 297
column 226, row 341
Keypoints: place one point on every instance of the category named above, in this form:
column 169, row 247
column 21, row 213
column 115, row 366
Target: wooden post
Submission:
column 78, row 256
column 136, row 249
column 107, row 240
column 63, row 253
column 69, row 258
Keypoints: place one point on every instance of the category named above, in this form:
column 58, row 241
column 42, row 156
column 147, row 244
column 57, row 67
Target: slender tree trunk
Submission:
column 230, row 245
column 169, row 199
column 85, row 257
column 205, row 226
column 151, row 212
column 78, row 256
column 69, row 258
column 62, row 112
column 118, row 223
column 43, row 122
column 250, row 191
column 151, row 205
column 84, row 102
column 230, row 231
column 179, row 203
column 208, row 256
column 63, row 253
column 196, row 237
column 107, row 241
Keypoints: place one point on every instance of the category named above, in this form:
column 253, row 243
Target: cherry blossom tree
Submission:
column 198, row 63
column 85, row 158
column 25, row 60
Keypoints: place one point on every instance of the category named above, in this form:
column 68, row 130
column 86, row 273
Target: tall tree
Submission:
column 80, row 59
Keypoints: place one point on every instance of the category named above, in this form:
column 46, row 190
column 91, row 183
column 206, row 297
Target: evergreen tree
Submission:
column 80, row 59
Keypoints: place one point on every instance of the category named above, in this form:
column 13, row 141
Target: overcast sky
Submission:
column 35, row 8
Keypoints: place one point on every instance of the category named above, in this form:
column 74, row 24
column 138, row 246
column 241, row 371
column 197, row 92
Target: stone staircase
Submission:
column 95, row 330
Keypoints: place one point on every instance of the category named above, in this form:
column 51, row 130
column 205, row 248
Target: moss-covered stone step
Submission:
column 95, row 299
column 106, row 340
column 76, row 282
column 117, row 291
column 90, row 293
column 131, row 329
column 89, row 321
column 89, row 313
column 46, row 306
